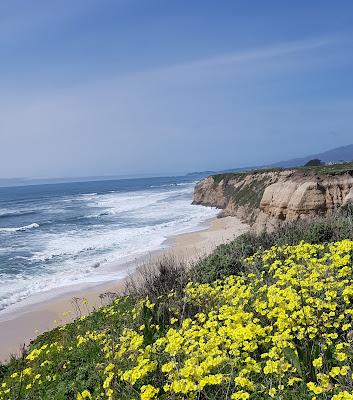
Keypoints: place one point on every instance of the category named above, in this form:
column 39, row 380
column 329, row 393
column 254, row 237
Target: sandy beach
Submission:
column 22, row 323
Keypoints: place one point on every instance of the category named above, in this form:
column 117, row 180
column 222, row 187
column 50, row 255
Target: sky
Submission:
column 119, row 87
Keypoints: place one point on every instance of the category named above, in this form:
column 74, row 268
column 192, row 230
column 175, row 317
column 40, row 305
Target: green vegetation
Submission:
column 228, row 258
column 244, row 194
column 265, row 316
column 248, row 195
column 334, row 169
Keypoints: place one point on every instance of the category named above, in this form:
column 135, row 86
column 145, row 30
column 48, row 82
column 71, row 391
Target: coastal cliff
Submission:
column 268, row 198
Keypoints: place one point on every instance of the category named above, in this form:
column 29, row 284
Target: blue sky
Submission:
column 99, row 87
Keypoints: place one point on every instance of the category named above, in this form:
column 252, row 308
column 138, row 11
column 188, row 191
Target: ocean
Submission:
column 55, row 235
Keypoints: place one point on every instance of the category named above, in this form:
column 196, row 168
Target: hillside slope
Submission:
column 268, row 198
column 343, row 153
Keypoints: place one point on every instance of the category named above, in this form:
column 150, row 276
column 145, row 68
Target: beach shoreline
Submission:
column 21, row 323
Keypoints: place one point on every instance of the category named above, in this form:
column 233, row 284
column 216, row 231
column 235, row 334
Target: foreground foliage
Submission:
column 228, row 258
column 282, row 329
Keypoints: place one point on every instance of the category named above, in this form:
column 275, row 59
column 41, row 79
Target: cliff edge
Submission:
column 267, row 198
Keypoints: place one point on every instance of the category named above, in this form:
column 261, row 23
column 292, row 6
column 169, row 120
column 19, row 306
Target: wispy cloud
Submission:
column 259, row 53
column 290, row 53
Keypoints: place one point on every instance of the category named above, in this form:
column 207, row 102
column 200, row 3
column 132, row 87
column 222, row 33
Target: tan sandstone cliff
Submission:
column 267, row 198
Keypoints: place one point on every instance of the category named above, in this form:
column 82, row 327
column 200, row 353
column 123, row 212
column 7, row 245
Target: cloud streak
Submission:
column 260, row 53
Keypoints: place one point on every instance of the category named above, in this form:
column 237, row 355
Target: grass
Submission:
column 334, row 169
column 70, row 372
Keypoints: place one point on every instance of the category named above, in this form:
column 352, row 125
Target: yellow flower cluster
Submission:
column 281, row 331
column 286, row 326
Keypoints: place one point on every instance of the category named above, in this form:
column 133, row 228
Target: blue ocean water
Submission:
column 55, row 235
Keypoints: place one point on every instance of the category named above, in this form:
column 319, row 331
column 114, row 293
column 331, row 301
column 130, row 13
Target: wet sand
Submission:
column 22, row 323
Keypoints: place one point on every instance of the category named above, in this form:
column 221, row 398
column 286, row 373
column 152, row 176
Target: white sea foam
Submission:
column 20, row 228
column 88, row 194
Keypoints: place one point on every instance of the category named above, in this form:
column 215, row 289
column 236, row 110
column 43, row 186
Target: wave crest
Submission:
column 20, row 228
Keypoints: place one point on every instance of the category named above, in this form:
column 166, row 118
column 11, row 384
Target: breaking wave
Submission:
column 20, row 228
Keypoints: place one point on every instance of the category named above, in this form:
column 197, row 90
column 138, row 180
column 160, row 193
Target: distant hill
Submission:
column 339, row 154
column 343, row 153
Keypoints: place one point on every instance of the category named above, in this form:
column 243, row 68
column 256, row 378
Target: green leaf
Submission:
column 293, row 358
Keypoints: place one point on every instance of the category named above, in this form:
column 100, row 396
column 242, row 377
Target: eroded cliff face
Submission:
column 266, row 199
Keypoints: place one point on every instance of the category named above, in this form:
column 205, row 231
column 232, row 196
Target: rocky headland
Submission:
column 267, row 198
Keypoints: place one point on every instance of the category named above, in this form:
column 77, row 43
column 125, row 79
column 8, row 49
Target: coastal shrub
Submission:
column 281, row 330
column 347, row 210
column 228, row 258
column 159, row 277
